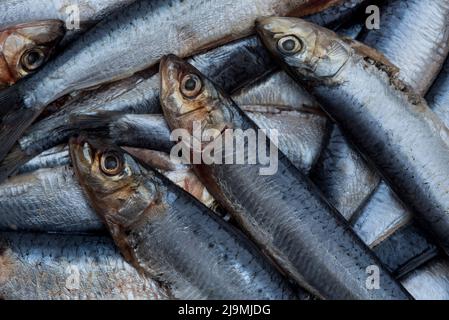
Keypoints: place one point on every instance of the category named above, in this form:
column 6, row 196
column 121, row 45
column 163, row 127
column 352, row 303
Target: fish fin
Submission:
column 16, row 117
column 373, row 54
column 97, row 123
column 13, row 160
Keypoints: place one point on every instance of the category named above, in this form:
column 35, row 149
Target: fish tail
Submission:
column 16, row 117
column 13, row 160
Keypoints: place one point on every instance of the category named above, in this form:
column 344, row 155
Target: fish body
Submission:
column 97, row 56
column 62, row 267
column 405, row 140
column 89, row 12
column 46, row 200
column 169, row 236
column 24, row 48
column 414, row 36
column 283, row 212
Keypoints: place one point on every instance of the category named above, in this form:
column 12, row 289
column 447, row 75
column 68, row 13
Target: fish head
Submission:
column 311, row 52
column 112, row 180
column 187, row 96
column 24, row 48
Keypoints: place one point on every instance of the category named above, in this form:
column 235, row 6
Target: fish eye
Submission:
column 111, row 163
column 32, row 59
column 289, row 45
column 191, row 85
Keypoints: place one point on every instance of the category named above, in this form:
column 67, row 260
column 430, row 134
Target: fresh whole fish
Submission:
column 232, row 66
column 62, row 267
column 283, row 213
column 24, row 48
column 47, row 197
column 97, row 56
column 304, row 127
column 167, row 234
column 414, row 36
column 405, row 140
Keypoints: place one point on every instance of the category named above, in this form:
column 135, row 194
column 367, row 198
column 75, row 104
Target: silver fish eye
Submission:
column 111, row 163
column 191, row 85
column 289, row 45
column 32, row 59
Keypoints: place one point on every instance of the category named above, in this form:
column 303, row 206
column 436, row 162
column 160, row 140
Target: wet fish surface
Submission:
column 406, row 141
column 414, row 36
column 438, row 96
column 60, row 267
column 430, row 282
column 24, row 48
column 168, row 235
column 90, row 12
column 46, row 200
column 284, row 213
column 97, row 57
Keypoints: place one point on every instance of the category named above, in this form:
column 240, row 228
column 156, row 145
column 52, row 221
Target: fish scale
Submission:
column 283, row 212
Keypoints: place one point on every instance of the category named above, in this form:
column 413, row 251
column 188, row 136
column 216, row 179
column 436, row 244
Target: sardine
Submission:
column 414, row 36
column 61, row 267
column 283, row 213
column 97, row 57
column 406, row 141
column 46, row 197
column 429, row 282
column 24, row 48
column 304, row 133
column 169, row 236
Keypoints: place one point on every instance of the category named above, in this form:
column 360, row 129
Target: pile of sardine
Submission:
column 93, row 205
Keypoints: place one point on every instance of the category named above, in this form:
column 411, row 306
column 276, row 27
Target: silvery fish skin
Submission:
column 284, row 213
column 429, row 282
column 47, row 197
column 336, row 15
column 46, row 200
column 438, row 96
column 61, row 267
column 232, row 65
column 407, row 142
column 97, row 56
column 410, row 42
column 414, row 36
column 343, row 176
column 381, row 216
column 277, row 102
column 167, row 234
column 180, row 174
column 55, row 157
column 90, row 12
column 303, row 128
column 24, row 48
